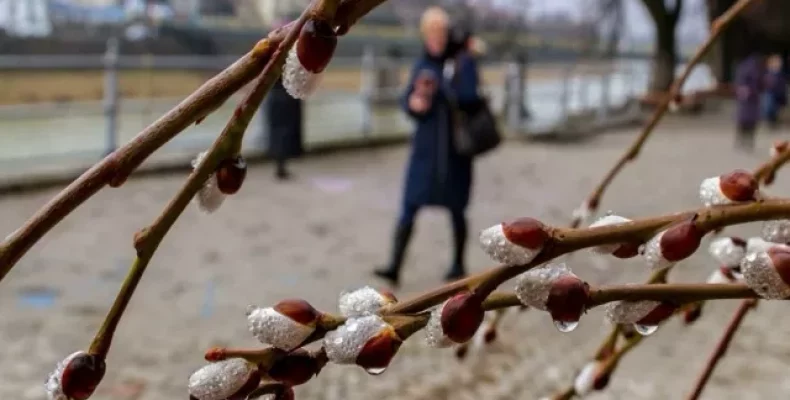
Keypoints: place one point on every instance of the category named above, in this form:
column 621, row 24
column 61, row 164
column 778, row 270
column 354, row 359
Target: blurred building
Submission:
column 25, row 18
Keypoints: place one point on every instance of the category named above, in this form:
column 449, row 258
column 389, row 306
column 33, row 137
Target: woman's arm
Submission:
column 419, row 98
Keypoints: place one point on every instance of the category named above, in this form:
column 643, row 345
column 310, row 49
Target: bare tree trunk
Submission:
column 665, row 57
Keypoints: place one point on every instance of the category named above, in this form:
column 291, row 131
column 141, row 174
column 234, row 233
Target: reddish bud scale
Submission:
column 680, row 241
column 780, row 145
column 490, row 336
column 658, row 315
column 601, row 381
column 252, row 383
column 692, row 313
column 215, row 354
column 568, row 298
column 295, row 369
column 526, row 232
column 316, row 45
column 230, row 174
column 388, row 295
column 461, row 317
column 461, row 351
column 780, row 257
column 82, row 375
column 727, row 272
column 738, row 241
column 738, row 185
column 379, row 350
column 627, row 250
column 298, row 310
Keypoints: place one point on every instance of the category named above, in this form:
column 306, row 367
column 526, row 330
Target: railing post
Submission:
column 367, row 89
column 111, row 94
column 514, row 96
column 603, row 106
column 565, row 97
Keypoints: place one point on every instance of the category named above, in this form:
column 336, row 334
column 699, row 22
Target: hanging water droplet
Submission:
column 566, row 326
column 645, row 330
column 375, row 371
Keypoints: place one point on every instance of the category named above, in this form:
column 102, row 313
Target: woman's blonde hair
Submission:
column 432, row 16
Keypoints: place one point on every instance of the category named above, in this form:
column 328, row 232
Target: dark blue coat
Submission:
column 436, row 174
column 749, row 74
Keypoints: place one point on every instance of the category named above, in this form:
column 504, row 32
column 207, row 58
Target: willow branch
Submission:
column 721, row 347
column 766, row 173
column 116, row 167
column 632, row 152
column 228, row 142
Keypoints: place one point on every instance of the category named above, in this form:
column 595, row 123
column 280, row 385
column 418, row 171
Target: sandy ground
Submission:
column 323, row 232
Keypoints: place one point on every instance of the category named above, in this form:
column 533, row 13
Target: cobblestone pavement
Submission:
column 323, row 232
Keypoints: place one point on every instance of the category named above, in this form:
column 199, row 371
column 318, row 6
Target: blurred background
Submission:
column 570, row 80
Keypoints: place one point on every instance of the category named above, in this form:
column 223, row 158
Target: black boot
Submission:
column 457, row 269
column 391, row 272
column 281, row 172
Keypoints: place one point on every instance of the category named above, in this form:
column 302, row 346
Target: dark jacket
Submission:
column 776, row 85
column 750, row 75
column 284, row 123
column 436, row 173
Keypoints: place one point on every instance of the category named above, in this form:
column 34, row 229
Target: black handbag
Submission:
column 475, row 128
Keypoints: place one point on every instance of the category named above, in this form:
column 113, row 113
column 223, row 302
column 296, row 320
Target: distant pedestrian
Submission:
column 749, row 79
column 285, row 120
column 437, row 173
column 775, row 93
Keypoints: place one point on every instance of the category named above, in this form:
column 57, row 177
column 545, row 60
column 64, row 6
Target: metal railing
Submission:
column 81, row 133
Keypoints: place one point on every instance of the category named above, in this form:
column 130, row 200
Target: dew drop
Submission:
column 645, row 330
column 375, row 371
column 566, row 326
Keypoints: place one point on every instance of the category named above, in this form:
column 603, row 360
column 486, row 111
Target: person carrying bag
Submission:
column 476, row 131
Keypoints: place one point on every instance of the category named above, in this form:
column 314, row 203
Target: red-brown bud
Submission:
column 215, row 354
column 627, row 250
column 780, row 146
column 378, row 352
column 601, row 381
column 780, row 257
column 230, row 174
column 461, row 351
column 82, row 375
column 692, row 313
column 298, row 310
column 738, row 185
column 316, row 45
column 388, row 295
column 658, row 314
column 568, row 299
column 526, row 232
column 490, row 335
column 681, row 240
column 296, row 368
column 462, row 316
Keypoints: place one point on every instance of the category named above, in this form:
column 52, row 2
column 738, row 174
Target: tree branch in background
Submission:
column 591, row 204
column 116, row 167
column 721, row 347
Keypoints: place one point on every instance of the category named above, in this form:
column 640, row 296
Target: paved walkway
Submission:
column 323, row 232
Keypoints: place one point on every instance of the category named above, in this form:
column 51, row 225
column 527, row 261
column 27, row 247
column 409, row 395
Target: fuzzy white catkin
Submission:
column 298, row 81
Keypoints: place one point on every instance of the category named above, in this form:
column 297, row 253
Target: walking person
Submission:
column 436, row 174
column 284, row 123
column 749, row 77
column 775, row 94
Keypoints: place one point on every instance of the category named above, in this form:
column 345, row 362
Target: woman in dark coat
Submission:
column 436, row 175
column 284, row 127
column 749, row 76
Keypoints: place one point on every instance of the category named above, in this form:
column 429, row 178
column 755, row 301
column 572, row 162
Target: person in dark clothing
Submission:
column 284, row 126
column 436, row 175
column 775, row 94
column 749, row 79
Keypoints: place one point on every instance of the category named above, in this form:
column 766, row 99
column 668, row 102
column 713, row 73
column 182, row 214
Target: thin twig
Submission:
column 721, row 347
column 766, row 173
column 148, row 240
column 717, row 28
column 116, row 167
